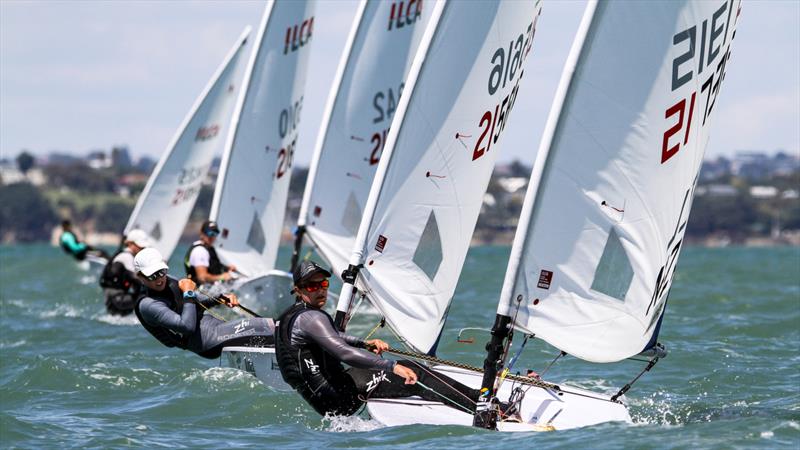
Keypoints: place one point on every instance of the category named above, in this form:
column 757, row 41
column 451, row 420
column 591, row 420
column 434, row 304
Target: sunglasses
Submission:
column 156, row 275
column 315, row 286
column 212, row 233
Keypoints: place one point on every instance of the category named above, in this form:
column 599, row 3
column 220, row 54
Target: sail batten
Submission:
column 611, row 189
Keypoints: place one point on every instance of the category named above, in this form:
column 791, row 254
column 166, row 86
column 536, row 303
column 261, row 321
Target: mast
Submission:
column 356, row 262
column 441, row 150
column 234, row 126
column 495, row 359
column 250, row 196
column 156, row 179
column 318, row 147
column 593, row 279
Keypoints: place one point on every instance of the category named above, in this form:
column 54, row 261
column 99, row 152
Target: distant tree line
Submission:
column 90, row 199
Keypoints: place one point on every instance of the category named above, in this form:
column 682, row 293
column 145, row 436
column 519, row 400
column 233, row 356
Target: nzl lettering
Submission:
column 298, row 35
column 713, row 41
column 398, row 18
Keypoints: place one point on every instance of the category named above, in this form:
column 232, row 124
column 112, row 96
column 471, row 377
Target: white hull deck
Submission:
column 257, row 361
column 541, row 409
column 94, row 265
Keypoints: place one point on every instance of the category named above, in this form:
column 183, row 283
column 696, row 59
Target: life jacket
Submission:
column 116, row 276
column 215, row 266
column 310, row 369
column 173, row 297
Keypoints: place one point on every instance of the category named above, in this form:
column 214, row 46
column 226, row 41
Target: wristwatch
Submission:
column 189, row 295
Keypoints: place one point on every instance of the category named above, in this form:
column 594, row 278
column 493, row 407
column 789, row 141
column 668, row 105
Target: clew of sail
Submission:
column 611, row 189
column 250, row 196
column 435, row 168
column 365, row 94
column 170, row 194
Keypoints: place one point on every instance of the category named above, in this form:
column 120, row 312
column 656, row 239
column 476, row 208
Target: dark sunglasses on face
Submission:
column 315, row 286
column 157, row 275
column 212, row 233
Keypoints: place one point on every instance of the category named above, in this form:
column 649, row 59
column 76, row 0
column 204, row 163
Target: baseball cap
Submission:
column 306, row 269
column 139, row 238
column 210, row 228
column 149, row 261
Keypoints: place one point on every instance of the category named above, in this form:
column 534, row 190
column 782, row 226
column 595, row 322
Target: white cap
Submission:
column 149, row 261
column 139, row 238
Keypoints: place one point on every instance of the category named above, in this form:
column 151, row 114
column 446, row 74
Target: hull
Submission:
column 94, row 265
column 541, row 409
column 257, row 361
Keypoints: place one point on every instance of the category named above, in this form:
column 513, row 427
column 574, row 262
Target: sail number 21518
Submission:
column 505, row 69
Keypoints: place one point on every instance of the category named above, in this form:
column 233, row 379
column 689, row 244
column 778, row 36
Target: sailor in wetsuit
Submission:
column 73, row 247
column 201, row 261
column 310, row 352
column 121, row 287
column 172, row 313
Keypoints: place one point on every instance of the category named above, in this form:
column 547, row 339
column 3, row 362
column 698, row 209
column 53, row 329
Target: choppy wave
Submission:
column 73, row 376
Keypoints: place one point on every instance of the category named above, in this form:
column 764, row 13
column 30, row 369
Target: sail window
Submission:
column 155, row 233
column 428, row 255
column 351, row 218
column 614, row 272
column 255, row 238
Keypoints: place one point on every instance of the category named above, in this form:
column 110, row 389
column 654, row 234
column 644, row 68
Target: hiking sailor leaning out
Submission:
column 120, row 286
column 73, row 246
column 310, row 354
column 172, row 313
column 201, row 262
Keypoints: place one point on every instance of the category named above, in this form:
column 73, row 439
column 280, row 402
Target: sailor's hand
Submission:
column 230, row 300
column 231, row 268
column 225, row 276
column 404, row 372
column 377, row 346
column 186, row 285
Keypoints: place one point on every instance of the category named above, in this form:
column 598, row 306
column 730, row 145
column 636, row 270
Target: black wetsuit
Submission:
column 183, row 324
column 120, row 286
column 310, row 352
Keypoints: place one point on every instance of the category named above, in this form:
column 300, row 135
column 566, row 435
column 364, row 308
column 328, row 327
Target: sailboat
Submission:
column 439, row 156
column 250, row 196
column 366, row 90
column 603, row 221
column 164, row 206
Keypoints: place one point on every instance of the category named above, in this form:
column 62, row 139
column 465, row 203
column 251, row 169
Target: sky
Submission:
column 77, row 76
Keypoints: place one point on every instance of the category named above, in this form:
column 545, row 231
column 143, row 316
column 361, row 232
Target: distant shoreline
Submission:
column 482, row 238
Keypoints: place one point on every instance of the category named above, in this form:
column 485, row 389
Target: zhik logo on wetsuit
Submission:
column 376, row 379
column 311, row 366
column 241, row 326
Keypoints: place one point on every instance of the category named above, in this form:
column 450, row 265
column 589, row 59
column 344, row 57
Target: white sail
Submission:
column 612, row 185
column 250, row 197
column 170, row 194
column 363, row 100
column 437, row 161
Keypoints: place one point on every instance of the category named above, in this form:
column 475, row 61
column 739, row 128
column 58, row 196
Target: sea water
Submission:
column 73, row 376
